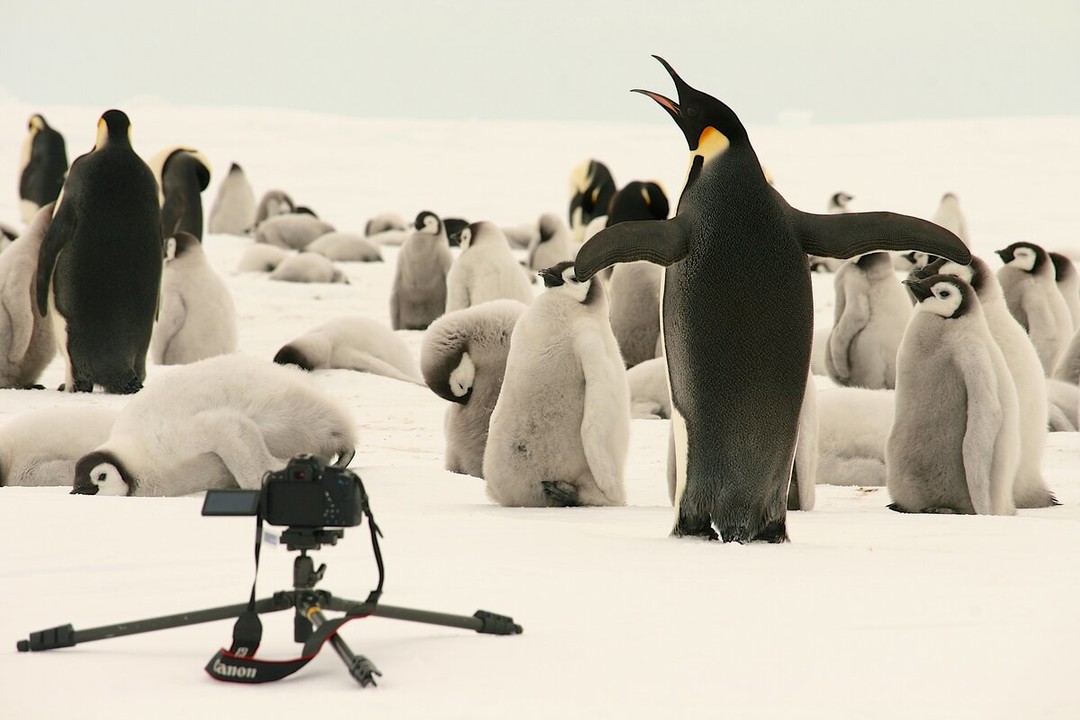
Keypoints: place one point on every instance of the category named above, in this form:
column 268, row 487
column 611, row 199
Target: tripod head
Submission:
column 304, row 538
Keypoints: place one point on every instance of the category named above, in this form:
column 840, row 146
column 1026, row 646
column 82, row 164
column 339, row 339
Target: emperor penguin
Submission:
column 383, row 222
column 949, row 216
column 591, row 190
column 7, row 235
column 345, row 247
column 182, row 174
column 1027, row 279
column 553, row 243
column 1063, row 405
column 1068, row 283
column 463, row 360
column 294, row 231
column 872, row 309
column 99, row 270
column 352, row 342
column 736, row 372
column 40, row 447
column 419, row 292
column 838, row 203
column 453, row 227
column 233, row 211
column 273, row 203
column 217, row 423
column 308, row 267
column 27, row 342
column 560, row 430
column 484, row 270
column 1029, row 487
column 197, row 319
column 261, row 258
column 649, row 395
column 42, row 166
column 853, row 427
column 954, row 443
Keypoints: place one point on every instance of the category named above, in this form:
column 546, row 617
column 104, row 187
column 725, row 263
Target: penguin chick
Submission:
column 853, row 426
column 345, row 247
column 1027, row 280
column 1068, row 284
column 949, row 216
column 553, row 243
column 261, row 258
column 308, row 267
column 418, row 295
column 383, row 222
column 233, row 211
column 273, row 203
column 649, row 395
column 40, row 447
column 352, row 343
column 292, row 232
column 1063, row 404
column 484, row 270
column 27, row 340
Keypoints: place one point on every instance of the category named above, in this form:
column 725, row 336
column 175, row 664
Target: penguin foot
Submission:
column 126, row 387
column 685, row 527
column 560, row 494
column 774, row 532
column 33, row 387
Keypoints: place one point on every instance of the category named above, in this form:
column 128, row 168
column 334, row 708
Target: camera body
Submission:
column 306, row 493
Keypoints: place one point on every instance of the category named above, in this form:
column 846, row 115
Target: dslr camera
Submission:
column 306, row 493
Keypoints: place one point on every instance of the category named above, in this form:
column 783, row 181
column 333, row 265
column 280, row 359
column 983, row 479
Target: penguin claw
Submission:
column 560, row 493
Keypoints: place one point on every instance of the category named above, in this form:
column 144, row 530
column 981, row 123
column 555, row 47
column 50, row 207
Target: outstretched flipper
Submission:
column 662, row 242
column 56, row 237
column 851, row 234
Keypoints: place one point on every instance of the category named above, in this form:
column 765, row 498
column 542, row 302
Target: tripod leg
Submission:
column 481, row 621
column 67, row 636
column 359, row 666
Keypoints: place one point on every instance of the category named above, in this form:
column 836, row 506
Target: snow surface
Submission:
column 865, row 614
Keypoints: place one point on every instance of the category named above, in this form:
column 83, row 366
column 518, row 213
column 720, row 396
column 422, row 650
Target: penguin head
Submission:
column 235, row 168
column 428, row 223
column 113, row 127
column 562, row 279
column 453, row 228
column 976, row 274
column 292, row 355
column 102, row 473
column 943, row 295
column 839, row 201
column 709, row 125
column 1063, row 266
column 1026, row 256
column 478, row 232
column 36, row 124
column 180, row 244
column 549, row 226
column 638, row 200
column 591, row 187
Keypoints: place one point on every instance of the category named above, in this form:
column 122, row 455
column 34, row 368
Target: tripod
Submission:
column 308, row 602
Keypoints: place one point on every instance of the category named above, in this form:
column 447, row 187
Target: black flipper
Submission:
column 657, row 241
column 850, row 234
column 57, row 236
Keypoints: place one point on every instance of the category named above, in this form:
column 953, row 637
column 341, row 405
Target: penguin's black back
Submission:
column 43, row 175
column 183, row 179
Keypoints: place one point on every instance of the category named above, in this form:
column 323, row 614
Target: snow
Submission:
column 866, row 613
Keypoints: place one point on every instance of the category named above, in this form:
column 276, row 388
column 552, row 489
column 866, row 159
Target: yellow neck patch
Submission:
column 102, row 134
column 711, row 143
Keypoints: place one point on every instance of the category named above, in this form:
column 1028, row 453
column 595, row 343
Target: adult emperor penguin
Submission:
column 954, row 443
column 591, row 190
column 1068, row 283
column 197, row 319
column 355, row 343
column 419, row 292
column 872, row 310
column 737, row 316
column 553, row 243
column 1029, row 488
column 41, row 168
column 233, row 211
column 182, row 174
column 27, row 342
column 1027, row 279
column 463, row 360
column 560, row 431
column 100, row 265
column 485, row 269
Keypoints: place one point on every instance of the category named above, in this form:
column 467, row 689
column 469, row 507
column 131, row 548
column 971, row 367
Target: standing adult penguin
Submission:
column 101, row 261
column 41, row 167
column 27, row 342
column 738, row 316
column 182, row 174
column 1027, row 279
column 198, row 316
column 419, row 292
column 950, row 368
column 591, row 190
column 560, row 430
column 872, row 310
column 484, row 270
column 233, row 211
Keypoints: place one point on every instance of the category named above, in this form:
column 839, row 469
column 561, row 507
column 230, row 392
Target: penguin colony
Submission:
column 522, row 368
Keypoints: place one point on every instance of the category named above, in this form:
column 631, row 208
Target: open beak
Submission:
column 691, row 127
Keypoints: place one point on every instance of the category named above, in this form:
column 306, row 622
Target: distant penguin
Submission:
column 383, row 222
column 1027, row 279
column 182, row 174
column 635, row 310
column 40, row 447
column 838, row 203
column 233, row 211
column 853, row 427
column 294, row 231
column 918, row 260
column 872, row 309
column 261, row 258
column 419, row 291
column 345, row 247
column 42, row 167
column 649, row 396
column 453, row 228
column 560, row 431
column 1068, row 284
column 638, row 200
column 591, row 190
column 463, row 360
column 954, row 443
column 27, row 342
column 273, row 203
column 352, row 343
column 484, row 270
column 732, row 237
column 1029, row 488
column 197, row 319
column 100, row 267
column 308, row 267
column 552, row 245
column 950, row 217
column 217, row 423
column 1063, row 405
column 523, row 236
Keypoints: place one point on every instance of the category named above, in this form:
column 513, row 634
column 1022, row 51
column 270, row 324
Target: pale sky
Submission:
column 840, row 61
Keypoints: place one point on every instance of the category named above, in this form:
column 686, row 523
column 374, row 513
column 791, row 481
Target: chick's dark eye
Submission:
column 945, row 294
